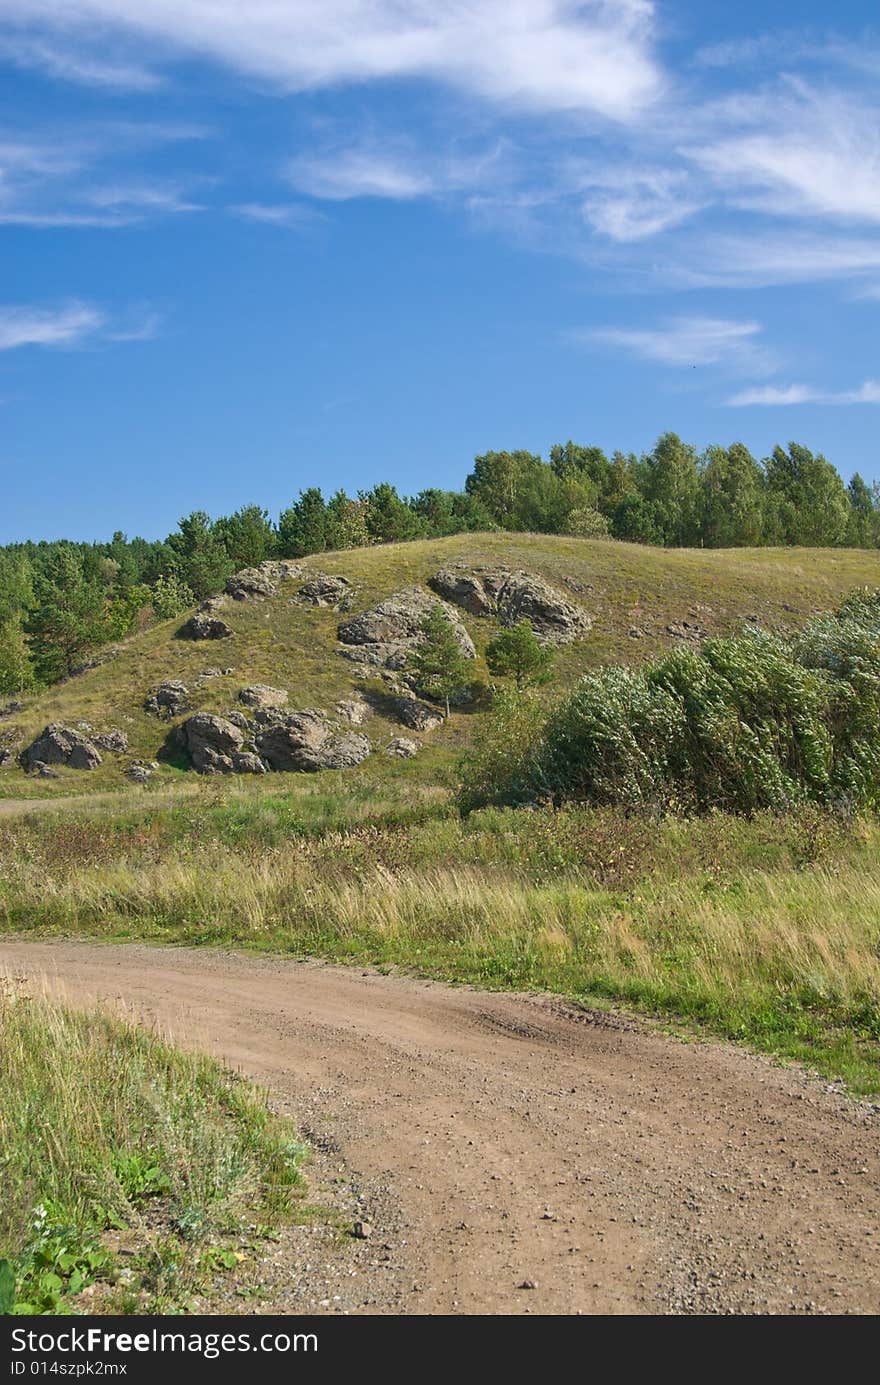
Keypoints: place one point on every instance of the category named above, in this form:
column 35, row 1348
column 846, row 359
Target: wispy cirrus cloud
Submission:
column 398, row 169
column 57, row 178
column 69, row 325
column 803, row 151
column 83, row 66
column 686, row 341
column 553, row 55
column 779, row 396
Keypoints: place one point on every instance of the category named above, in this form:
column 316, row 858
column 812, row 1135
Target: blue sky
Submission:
column 248, row 248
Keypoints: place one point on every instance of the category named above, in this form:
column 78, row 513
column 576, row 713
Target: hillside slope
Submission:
column 634, row 595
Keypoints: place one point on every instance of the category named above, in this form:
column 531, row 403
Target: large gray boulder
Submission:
column 61, row 745
column 250, row 583
column 115, row 741
column 402, row 747
column 354, row 710
column 417, row 715
column 514, row 596
column 385, row 635
column 306, row 742
column 215, row 746
column 261, row 695
column 323, row 590
column 203, row 626
column 257, row 583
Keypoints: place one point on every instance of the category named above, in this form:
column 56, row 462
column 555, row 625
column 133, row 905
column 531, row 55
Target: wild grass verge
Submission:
column 765, row 930
column 130, row 1169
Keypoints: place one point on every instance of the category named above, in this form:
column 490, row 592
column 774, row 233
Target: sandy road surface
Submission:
column 499, row 1139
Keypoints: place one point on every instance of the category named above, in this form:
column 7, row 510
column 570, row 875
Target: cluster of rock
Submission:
column 306, row 741
column 402, row 747
column 204, row 625
column 687, row 630
column 64, row 745
column 323, row 590
column 417, row 715
column 511, row 596
column 170, row 699
column 141, row 771
column 384, row 636
column 216, row 746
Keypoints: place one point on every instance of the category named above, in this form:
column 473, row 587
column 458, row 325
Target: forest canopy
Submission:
column 61, row 600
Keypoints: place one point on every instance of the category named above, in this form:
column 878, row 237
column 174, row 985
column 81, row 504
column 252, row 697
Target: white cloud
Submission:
column 349, row 173
column 575, row 55
column 65, row 326
column 631, row 204
column 71, row 325
column 75, row 65
column 773, row 396
column 812, row 152
column 767, row 257
column 57, row 179
column 293, row 215
column 686, row 341
column 140, row 198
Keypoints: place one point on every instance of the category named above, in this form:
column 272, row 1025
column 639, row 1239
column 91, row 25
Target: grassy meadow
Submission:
column 763, row 930
column 624, row 586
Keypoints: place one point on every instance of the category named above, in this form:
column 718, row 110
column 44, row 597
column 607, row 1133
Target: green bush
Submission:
column 742, row 724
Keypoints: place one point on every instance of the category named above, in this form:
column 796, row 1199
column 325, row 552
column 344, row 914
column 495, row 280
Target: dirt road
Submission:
column 496, row 1141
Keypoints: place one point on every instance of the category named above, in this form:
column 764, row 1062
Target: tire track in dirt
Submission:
column 500, row 1139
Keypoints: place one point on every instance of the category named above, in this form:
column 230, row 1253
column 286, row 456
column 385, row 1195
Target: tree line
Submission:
column 61, row 600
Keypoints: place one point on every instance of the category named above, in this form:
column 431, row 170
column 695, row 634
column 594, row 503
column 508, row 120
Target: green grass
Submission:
column 114, row 1141
column 624, row 586
column 766, row 931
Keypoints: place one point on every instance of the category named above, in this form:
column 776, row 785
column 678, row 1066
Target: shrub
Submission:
column 743, row 724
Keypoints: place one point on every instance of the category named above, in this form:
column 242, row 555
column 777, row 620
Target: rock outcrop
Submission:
column 402, row 747
column 61, row 745
column 114, row 741
column 215, row 746
column 512, row 596
column 170, row 699
column 385, row 635
column 306, row 742
column 261, row 695
column 251, row 582
column 354, row 710
column 323, row 590
column 257, row 583
column 417, row 715
column 204, row 626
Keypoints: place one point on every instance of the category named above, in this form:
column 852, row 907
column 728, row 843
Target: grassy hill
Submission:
column 625, row 587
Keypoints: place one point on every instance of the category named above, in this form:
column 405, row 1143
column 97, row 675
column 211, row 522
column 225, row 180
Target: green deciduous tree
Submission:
column 862, row 525
column 346, row 522
column 498, row 480
column 170, row 596
column 806, row 500
column 517, row 654
column 16, row 667
column 672, row 487
column 733, row 497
